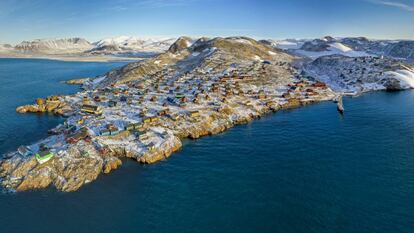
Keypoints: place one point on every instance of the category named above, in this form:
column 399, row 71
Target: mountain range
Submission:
column 348, row 46
column 135, row 47
column 117, row 46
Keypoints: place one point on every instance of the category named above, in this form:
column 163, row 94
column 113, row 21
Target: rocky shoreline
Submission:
column 78, row 81
column 71, row 169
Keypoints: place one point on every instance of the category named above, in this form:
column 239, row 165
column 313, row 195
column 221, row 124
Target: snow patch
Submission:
column 98, row 80
column 405, row 76
column 335, row 48
column 340, row 47
column 257, row 58
column 188, row 43
column 243, row 41
column 130, row 43
column 285, row 44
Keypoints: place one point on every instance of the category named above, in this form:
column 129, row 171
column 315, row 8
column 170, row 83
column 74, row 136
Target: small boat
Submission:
column 24, row 151
column 44, row 156
column 340, row 105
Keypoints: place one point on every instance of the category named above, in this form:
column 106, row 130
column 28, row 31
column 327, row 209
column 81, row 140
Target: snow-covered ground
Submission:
column 125, row 46
column 333, row 48
column 54, row 46
column 361, row 74
column 406, row 77
column 137, row 43
column 288, row 44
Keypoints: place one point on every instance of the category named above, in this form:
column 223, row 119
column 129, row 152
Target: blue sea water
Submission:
column 302, row 170
column 24, row 80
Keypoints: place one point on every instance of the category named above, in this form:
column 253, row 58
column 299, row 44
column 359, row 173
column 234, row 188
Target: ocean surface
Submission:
column 302, row 170
column 24, row 80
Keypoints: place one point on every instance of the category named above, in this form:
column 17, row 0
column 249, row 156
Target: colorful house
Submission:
column 91, row 109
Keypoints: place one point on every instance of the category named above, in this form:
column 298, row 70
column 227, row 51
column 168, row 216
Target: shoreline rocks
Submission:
column 79, row 81
column 55, row 106
column 82, row 163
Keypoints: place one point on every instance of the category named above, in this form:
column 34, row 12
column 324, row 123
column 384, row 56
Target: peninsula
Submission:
column 199, row 87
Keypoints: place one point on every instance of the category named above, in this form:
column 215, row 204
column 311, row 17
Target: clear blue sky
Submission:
column 93, row 20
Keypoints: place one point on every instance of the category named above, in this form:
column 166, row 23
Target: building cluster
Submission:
column 130, row 113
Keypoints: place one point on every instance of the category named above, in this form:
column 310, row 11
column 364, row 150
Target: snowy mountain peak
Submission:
column 131, row 43
column 68, row 45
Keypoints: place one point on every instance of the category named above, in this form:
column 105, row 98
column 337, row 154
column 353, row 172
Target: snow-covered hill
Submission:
column 361, row 74
column 365, row 44
column 54, row 46
column 284, row 44
column 324, row 47
column 118, row 46
column 128, row 42
column 401, row 50
column 347, row 46
column 5, row 47
column 139, row 47
column 204, row 56
column 126, row 45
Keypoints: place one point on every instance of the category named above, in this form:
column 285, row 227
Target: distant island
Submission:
column 188, row 88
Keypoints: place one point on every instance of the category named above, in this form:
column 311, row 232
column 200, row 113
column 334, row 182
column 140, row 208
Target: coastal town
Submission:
column 193, row 90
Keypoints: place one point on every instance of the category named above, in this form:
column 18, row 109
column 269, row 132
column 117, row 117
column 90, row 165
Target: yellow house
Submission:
column 194, row 113
column 143, row 137
column 154, row 119
column 147, row 120
column 91, row 109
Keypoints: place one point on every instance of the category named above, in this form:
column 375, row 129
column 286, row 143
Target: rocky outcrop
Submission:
column 24, row 167
column 291, row 103
column 30, row 108
column 39, row 178
column 111, row 163
column 50, row 106
column 163, row 151
column 8, row 165
column 78, row 81
column 179, row 45
column 78, row 165
column 393, row 85
column 316, row 45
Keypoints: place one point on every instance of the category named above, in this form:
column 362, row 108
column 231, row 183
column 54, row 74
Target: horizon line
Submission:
column 165, row 37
